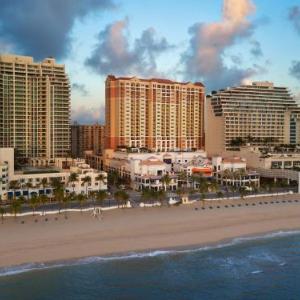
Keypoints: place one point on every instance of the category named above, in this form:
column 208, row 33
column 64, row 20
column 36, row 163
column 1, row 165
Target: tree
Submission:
column 66, row 200
column 44, row 182
column 242, row 192
column 86, row 181
column 183, row 178
column 125, row 198
column 161, row 196
column 101, row 178
column 214, row 186
column 203, row 187
column 73, row 178
column 237, row 142
column 56, row 183
column 146, row 195
column 220, row 194
column 121, row 197
column 58, row 196
column 166, row 180
column 33, row 202
column 14, row 185
column 232, row 189
column 113, row 178
column 181, row 192
column 43, row 199
column 100, row 197
column 2, row 213
column 15, row 207
column 81, row 199
column 202, row 199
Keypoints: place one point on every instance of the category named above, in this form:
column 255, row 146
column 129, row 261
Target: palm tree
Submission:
column 33, row 202
column 86, row 181
column 101, row 178
column 242, row 192
column 121, row 197
column 73, row 178
column 232, row 189
column 183, row 177
column 161, row 196
column 146, row 195
column 2, row 213
column 125, row 198
column 15, row 207
column 220, row 194
column 81, row 199
column 202, row 199
column 66, row 200
column 14, row 185
column 101, row 196
column 58, row 196
column 214, row 186
column 166, row 180
column 44, row 182
column 118, row 197
column 113, row 177
column 181, row 192
column 253, row 187
column 43, row 199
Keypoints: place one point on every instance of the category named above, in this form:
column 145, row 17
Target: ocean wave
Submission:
column 15, row 270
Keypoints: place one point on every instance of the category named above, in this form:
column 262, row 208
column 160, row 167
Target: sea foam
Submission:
column 15, row 270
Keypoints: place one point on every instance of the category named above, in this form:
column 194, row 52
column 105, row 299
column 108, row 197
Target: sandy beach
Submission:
column 125, row 230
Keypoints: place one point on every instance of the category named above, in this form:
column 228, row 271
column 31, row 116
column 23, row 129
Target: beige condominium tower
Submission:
column 259, row 114
column 34, row 107
column 87, row 137
column 157, row 114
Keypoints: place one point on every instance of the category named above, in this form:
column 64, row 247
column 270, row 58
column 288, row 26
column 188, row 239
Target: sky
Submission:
column 221, row 43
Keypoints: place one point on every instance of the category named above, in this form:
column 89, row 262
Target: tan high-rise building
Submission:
column 157, row 114
column 87, row 138
column 259, row 114
column 34, row 107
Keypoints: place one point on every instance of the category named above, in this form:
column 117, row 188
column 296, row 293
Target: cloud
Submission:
column 205, row 57
column 256, row 50
column 42, row 28
column 294, row 17
column 84, row 115
column 295, row 69
column 81, row 88
column 113, row 54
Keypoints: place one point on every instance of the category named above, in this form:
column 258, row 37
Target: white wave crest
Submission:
column 15, row 270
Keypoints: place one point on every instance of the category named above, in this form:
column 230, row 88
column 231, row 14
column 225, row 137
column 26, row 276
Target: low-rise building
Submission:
column 149, row 169
column 232, row 171
column 271, row 157
column 37, row 180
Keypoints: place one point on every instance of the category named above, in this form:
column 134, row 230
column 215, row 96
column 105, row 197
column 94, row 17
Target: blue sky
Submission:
column 184, row 40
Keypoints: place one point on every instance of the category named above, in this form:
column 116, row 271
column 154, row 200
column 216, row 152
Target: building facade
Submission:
column 259, row 114
column 147, row 170
column 34, row 107
column 86, row 138
column 156, row 114
column 38, row 180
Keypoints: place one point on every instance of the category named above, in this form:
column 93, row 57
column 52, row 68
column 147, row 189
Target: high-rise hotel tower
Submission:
column 34, row 107
column 157, row 114
column 259, row 114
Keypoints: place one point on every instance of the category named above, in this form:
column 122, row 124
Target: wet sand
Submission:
column 23, row 240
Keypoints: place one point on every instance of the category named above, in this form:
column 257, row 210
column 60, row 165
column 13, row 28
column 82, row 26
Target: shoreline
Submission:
column 122, row 232
column 38, row 266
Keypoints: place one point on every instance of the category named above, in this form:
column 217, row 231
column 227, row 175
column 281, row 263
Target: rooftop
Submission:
column 158, row 80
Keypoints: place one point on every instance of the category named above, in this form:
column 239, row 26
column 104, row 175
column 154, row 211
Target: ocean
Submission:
column 266, row 267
